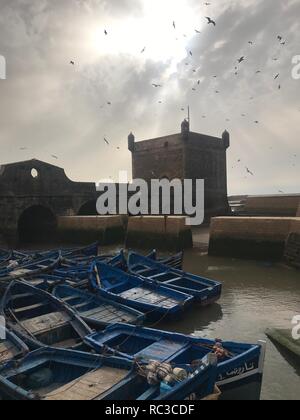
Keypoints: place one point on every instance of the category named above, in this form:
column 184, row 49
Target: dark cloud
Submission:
column 52, row 107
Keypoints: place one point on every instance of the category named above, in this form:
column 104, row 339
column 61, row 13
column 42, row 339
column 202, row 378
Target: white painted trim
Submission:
column 238, row 378
column 263, row 345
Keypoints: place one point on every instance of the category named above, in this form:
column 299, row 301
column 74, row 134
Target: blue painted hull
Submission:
column 40, row 319
column 154, row 300
column 95, row 310
column 55, row 374
column 242, row 370
column 12, row 347
column 205, row 291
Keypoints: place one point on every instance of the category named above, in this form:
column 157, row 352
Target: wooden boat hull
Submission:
column 95, row 310
column 205, row 291
column 11, row 347
column 238, row 376
column 174, row 261
column 40, row 319
column 156, row 301
column 56, row 374
column 30, row 269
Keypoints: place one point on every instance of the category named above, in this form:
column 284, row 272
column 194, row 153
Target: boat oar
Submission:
column 97, row 277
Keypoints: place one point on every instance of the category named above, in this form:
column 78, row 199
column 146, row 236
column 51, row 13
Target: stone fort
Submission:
column 186, row 155
column 34, row 193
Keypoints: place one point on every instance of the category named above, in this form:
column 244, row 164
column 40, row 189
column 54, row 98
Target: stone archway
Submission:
column 37, row 224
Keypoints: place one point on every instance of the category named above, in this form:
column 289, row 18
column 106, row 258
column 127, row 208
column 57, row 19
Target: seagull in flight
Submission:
column 156, row 85
column 249, row 172
column 210, row 21
column 240, row 60
column 106, row 141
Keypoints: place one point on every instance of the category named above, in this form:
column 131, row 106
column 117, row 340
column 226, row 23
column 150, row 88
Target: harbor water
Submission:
column 256, row 296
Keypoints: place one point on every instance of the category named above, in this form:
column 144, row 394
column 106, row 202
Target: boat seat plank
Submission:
column 29, row 308
column 88, row 387
column 19, row 272
column 143, row 295
column 161, row 350
column 45, row 322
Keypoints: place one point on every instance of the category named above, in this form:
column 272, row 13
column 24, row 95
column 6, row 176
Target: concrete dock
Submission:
column 285, row 339
column 251, row 237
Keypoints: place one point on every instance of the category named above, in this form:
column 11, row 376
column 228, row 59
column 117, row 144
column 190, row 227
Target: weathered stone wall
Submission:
column 186, row 156
column 158, row 158
column 86, row 229
column 51, row 189
column 251, row 237
column 282, row 205
column 166, row 233
column 205, row 158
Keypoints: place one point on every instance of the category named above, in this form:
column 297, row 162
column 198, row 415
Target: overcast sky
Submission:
column 52, row 107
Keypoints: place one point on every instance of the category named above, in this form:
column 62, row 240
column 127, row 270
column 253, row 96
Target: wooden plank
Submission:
column 45, row 322
column 88, row 387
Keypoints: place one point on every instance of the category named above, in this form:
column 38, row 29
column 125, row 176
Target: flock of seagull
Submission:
column 239, row 62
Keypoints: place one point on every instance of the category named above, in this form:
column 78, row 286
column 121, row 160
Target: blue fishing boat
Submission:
column 59, row 374
column 11, row 347
column 240, row 366
column 174, row 261
column 155, row 300
column 95, row 310
column 40, row 319
column 76, row 274
column 30, row 268
column 77, row 252
column 56, row 375
column 204, row 290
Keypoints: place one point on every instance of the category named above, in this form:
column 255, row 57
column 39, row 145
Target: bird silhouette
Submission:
column 210, row 21
column 73, row 63
column 249, row 172
column 156, row 85
column 106, row 141
column 240, row 60
column 105, row 32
